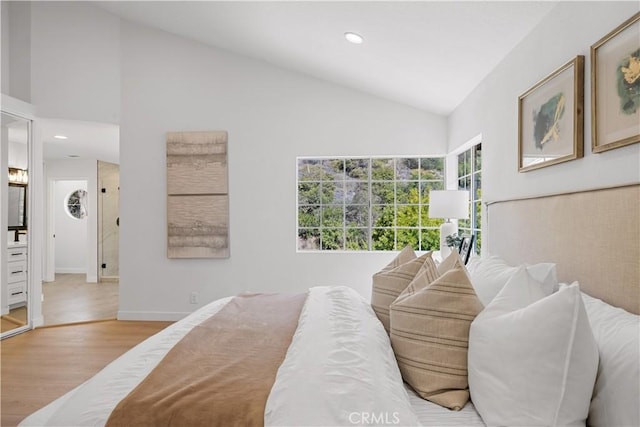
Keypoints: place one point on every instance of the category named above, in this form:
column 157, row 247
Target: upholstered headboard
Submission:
column 592, row 236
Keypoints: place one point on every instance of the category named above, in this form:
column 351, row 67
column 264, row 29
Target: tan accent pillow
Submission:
column 392, row 280
column 449, row 262
column 427, row 274
column 430, row 336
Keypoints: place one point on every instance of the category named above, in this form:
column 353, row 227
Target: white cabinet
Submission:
column 17, row 275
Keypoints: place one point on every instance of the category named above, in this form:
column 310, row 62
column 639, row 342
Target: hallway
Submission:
column 70, row 299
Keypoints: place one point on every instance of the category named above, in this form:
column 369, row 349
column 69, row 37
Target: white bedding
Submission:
column 358, row 378
column 358, row 382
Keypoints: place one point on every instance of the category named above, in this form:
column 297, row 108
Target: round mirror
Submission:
column 76, row 204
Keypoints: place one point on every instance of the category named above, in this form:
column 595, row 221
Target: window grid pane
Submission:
column 374, row 204
column 470, row 178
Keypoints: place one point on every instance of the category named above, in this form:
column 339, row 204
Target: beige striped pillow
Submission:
column 393, row 279
column 449, row 262
column 427, row 274
column 430, row 336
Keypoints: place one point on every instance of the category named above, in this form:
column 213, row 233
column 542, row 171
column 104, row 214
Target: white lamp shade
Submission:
column 449, row 204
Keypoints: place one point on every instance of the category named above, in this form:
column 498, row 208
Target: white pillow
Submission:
column 490, row 274
column 545, row 273
column 532, row 358
column 617, row 333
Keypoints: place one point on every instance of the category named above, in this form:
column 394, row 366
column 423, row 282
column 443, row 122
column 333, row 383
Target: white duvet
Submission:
column 358, row 378
column 339, row 370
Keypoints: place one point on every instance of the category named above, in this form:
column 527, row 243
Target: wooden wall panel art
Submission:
column 197, row 195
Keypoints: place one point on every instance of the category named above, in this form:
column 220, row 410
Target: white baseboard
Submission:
column 38, row 321
column 166, row 316
column 71, row 271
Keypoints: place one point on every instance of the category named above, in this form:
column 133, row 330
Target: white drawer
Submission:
column 17, row 292
column 16, row 271
column 16, row 254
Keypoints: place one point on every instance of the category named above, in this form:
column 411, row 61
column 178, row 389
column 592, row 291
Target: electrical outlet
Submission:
column 193, row 298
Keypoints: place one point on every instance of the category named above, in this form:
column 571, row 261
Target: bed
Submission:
column 339, row 366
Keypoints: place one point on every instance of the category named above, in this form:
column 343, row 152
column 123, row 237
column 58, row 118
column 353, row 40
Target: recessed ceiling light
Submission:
column 353, row 37
column 59, row 137
column 73, row 156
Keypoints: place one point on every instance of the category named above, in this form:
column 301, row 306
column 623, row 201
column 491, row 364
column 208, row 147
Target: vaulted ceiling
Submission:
column 426, row 54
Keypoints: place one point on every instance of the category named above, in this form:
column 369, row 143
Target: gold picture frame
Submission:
column 615, row 87
column 551, row 118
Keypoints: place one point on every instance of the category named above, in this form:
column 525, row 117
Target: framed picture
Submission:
column 466, row 245
column 615, row 87
column 551, row 119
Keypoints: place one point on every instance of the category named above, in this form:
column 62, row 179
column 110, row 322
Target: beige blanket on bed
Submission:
column 220, row 373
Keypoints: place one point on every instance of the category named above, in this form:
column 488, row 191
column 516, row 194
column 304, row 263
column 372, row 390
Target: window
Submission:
column 363, row 204
column 470, row 178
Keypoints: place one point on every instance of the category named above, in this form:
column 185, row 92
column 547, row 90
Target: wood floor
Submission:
column 41, row 365
column 17, row 317
column 71, row 299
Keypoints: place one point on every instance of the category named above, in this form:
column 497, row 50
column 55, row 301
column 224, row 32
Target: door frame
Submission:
column 49, row 274
column 21, row 109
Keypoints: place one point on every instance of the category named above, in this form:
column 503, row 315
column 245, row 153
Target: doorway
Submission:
column 70, row 208
column 73, row 292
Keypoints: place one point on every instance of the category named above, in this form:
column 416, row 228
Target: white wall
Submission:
column 492, row 108
column 4, row 44
column 272, row 116
column 75, row 62
column 71, row 233
column 18, row 155
column 16, row 49
column 74, row 169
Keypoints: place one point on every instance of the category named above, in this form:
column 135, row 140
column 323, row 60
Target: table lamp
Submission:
column 448, row 204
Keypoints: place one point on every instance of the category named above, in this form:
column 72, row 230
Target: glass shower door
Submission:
column 109, row 221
